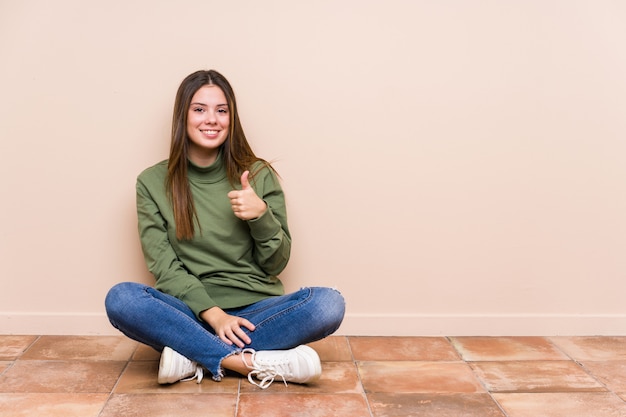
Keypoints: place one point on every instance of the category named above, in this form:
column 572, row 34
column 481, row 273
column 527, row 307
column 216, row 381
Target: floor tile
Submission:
column 506, row 349
column 337, row 378
column 4, row 365
column 418, row 377
column 302, row 405
column 593, row 348
column 402, row 349
column 61, row 376
column 109, row 348
column 12, row 347
column 362, row 376
column 155, row 405
column 583, row 404
column 140, row 377
column 535, row 376
column 612, row 374
column 333, row 349
column 146, row 353
column 430, row 405
column 52, row 405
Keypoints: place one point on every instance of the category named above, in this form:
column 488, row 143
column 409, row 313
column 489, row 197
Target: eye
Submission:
column 223, row 111
column 198, row 109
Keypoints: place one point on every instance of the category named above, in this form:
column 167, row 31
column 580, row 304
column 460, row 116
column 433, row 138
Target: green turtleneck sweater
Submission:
column 230, row 262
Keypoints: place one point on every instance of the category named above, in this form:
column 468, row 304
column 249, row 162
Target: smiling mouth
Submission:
column 210, row 132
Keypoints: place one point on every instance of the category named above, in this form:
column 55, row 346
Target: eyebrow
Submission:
column 204, row 105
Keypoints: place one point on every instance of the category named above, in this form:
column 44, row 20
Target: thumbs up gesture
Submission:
column 245, row 203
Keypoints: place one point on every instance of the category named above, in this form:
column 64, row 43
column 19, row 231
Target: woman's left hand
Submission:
column 245, row 203
column 227, row 327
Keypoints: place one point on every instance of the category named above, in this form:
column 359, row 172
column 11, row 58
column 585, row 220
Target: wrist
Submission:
column 261, row 210
column 211, row 315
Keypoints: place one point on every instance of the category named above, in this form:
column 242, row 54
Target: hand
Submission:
column 228, row 328
column 245, row 203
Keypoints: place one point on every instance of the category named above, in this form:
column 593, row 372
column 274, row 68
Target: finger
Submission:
column 248, row 325
column 224, row 339
column 245, row 185
column 243, row 336
column 234, row 339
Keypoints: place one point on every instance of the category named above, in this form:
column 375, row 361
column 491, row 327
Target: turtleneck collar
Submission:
column 213, row 173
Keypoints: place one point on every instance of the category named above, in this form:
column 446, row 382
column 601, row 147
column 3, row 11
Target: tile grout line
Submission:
column 358, row 373
column 29, row 346
column 480, row 381
column 584, row 368
column 19, row 356
column 11, row 365
column 111, row 391
column 117, row 381
column 238, row 397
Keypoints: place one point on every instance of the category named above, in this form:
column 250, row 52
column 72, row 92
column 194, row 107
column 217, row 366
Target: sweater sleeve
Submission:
column 270, row 231
column 162, row 261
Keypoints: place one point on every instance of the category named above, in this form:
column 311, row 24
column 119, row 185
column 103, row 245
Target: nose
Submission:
column 210, row 118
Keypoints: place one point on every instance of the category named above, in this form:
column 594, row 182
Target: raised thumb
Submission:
column 245, row 184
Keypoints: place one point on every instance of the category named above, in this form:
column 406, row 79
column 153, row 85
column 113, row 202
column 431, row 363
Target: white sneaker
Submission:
column 300, row 365
column 175, row 367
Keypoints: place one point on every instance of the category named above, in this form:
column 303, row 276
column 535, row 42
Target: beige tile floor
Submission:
column 108, row 376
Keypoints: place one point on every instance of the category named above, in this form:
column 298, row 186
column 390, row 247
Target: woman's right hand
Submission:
column 228, row 328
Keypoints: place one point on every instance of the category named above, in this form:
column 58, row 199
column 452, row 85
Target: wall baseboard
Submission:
column 363, row 324
column 56, row 324
column 484, row 325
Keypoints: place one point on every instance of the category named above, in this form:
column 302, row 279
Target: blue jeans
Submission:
column 284, row 322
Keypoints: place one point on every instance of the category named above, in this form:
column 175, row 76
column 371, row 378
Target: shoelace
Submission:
column 269, row 371
column 199, row 374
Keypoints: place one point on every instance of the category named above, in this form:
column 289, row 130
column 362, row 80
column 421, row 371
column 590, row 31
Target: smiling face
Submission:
column 208, row 122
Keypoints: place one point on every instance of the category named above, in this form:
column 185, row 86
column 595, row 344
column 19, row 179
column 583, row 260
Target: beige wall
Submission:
column 454, row 167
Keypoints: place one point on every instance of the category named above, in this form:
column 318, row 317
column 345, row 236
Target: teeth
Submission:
column 210, row 132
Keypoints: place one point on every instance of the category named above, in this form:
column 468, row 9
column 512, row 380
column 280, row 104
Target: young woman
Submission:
column 213, row 229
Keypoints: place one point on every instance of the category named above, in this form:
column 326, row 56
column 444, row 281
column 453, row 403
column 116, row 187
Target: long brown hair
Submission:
column 236, row 151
